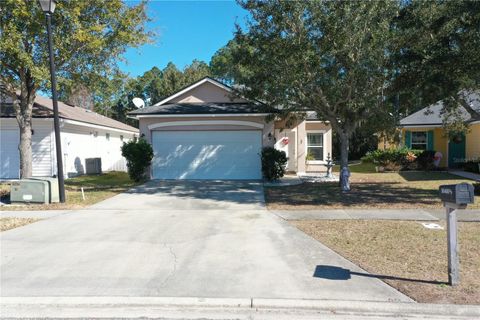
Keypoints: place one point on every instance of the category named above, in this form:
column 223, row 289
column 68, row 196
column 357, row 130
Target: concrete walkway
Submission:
column 375, row 214
column 287, row 180
column 465, row 174
column 38, row 214
column 179, row 239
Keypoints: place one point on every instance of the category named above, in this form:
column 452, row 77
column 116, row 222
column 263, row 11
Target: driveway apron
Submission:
column 179, row 238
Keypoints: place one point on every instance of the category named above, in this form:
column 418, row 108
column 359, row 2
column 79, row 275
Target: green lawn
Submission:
column 96, row 188
column 113, row 179
column 406, row 189
column 359, row 167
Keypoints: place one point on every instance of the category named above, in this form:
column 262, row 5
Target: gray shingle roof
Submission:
column 43, row 108
column 203, row 108
column 432, row 115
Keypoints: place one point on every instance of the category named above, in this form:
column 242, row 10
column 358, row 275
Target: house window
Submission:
column 314, row 146
column 107, row 135
column 121, row 137
column 419, row 140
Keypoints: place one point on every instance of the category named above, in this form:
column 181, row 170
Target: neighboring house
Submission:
column 204, row 131
column 424, row 130
column 84, row 134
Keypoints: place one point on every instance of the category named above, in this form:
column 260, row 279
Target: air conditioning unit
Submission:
column 30, row 191
column 93, row 165
column 53, row 194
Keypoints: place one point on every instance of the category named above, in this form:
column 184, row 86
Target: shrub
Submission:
column 394, row 159
column 425, row 160
column 476, row 189
column 472, row 166
column 139, row 155
column 273, row 163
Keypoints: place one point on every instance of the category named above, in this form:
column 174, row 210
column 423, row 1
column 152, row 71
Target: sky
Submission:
column 186, row 30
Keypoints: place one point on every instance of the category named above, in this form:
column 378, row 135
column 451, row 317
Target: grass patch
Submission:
column 405, row 255
column 114, row 179
column 358, row 167
column 10, row 223
column 96, row 188
column 369, row 190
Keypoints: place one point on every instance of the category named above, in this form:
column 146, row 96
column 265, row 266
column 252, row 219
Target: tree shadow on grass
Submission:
column 361, row 194
column 338, row 273
column 427, row 176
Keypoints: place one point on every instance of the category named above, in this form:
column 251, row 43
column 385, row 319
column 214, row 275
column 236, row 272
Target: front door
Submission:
column 456, row 151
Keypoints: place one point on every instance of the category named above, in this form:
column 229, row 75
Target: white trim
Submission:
column 78, row 123
column 323, row 132
column 215, row 115
column 316, row 162
column 193, row 86
column 421, row 126
column 426, row 142
column 317, row 131
column 86, row 124
column 206, row 123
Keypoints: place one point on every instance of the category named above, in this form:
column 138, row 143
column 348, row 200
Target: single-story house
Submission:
column 423, row 130
column 84, row 134
column 205, row 131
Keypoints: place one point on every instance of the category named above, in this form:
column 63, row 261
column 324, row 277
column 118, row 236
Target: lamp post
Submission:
column 48, row 7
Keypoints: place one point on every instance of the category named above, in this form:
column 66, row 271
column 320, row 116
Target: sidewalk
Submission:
column 376, row 214
column 225, row 308
column 286, row 180
column 37, row 214
column 465, row 174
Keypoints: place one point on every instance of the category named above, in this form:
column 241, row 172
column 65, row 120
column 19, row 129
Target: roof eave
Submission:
column 200, row 115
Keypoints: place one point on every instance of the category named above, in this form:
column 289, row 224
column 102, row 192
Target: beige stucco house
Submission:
column 205, row 131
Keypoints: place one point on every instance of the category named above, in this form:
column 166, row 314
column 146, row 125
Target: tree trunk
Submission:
column 344, row 171
column 23, row 110
column 25, row 148
column 344, row 141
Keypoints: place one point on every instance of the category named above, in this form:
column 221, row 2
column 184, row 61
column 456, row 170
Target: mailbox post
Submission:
column 454, row 196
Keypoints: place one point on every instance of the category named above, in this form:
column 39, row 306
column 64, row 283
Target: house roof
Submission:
column 43, row 108
column 203, row 108
column 192, row 86
column 432, row 115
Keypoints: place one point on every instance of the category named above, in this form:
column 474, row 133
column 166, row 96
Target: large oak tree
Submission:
column 436, row 57
column 89, row 39
column 326, row 56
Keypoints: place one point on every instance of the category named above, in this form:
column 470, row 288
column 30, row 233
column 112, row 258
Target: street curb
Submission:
column 52, row 307
column 364, row 307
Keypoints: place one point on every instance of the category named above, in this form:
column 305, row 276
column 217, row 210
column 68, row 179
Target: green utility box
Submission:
column 53, row 188
column 30, row 191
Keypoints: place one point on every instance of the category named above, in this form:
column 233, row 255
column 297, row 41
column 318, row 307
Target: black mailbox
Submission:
column 460, row 194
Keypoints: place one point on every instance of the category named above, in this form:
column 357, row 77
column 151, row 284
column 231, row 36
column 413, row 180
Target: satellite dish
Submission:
column 139, row 103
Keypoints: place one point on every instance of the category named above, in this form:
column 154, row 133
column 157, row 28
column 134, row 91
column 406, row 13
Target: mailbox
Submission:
column 458, row 194
column 454, row 196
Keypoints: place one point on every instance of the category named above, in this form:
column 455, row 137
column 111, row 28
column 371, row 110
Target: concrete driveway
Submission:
column 191, row 239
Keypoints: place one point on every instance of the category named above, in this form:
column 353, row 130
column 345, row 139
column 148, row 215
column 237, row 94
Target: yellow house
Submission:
column 423, row 130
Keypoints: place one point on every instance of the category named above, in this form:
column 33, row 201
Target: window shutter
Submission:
column 408, row 139
column 430, row 140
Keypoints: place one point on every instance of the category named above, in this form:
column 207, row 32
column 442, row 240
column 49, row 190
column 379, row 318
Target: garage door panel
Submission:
column 206, row 154
column 9, row 154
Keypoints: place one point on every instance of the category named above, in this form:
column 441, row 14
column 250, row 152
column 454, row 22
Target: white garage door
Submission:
column 206, row 154
column 9, row 154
